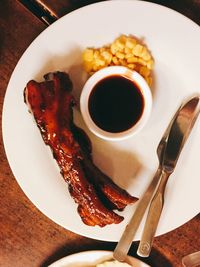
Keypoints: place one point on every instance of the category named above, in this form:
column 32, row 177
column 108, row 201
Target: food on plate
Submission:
column 51, row 104
column 126, row 51
column 113, row 264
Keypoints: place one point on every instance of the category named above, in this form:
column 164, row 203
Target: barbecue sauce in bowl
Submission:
column 116, row 103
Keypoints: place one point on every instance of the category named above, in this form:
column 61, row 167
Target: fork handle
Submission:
column 153, row 217
column 191, row 260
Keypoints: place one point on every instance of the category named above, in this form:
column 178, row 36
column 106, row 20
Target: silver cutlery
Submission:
column 178, row 135
column 125, row 242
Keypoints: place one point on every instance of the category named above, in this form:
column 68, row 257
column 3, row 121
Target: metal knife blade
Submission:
column 179, row 133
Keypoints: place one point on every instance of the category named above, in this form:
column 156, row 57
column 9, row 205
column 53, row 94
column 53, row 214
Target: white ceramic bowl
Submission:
column 92, row 258
column 130, row 75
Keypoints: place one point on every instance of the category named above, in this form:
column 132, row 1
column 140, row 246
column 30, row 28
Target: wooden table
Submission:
column 27, row 237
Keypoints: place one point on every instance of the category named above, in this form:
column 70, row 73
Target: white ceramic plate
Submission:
column 90, row 259
column 174, row 42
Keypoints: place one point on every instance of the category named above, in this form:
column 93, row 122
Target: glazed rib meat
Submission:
column 51, row 104
column 118, row 197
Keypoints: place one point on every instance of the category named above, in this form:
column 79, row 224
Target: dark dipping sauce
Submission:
column 116, row 104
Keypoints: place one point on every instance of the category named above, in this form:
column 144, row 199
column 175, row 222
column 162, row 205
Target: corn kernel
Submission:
column 142, row 61
column 114, row 48
column 131, row 66
column 120, row 45
column 100, row 62
column 129, row 55
column 96, row 54
column 123, row 38
column 150, row 64
column 95, row 68
column 120, row 55
column 107, row 56
column 130, row 43
column 149, row 80
column 122, row 62
column 145, row 54
column 127, row 50
column 132, row 59
column 144, row 71
column 137, row 50
column 115, row 60
column 88, row 55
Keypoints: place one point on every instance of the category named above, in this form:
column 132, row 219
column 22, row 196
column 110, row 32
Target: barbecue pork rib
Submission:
column 51, row 104
column 117, row 198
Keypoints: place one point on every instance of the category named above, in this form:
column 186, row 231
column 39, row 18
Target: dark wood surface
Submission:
column 27, row 237
column 189, row 8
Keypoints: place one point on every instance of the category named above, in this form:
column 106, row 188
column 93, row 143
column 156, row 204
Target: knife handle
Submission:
column 126, row 239
column 153, row 217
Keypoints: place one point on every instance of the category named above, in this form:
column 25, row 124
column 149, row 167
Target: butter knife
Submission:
column 178, row 135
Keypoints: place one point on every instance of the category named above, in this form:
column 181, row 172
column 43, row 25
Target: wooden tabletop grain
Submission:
column 27, row 237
